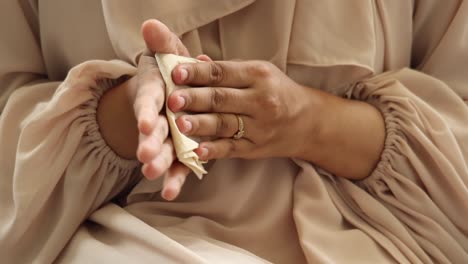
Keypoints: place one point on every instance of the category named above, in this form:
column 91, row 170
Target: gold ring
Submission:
column 240, row 132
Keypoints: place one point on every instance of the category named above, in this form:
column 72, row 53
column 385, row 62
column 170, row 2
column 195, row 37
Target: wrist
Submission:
column 346, row 137
column 116, row 119
column 310, row 124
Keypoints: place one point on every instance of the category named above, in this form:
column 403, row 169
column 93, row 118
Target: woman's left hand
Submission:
column 272, row 107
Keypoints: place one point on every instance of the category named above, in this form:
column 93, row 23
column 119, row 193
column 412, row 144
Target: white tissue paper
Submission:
column 183, row 145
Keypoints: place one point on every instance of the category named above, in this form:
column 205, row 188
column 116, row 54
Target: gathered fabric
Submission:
column 67, row 197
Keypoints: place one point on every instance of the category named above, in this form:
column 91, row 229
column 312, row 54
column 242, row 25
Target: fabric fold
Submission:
column 426, row 197
column 123, row 19
column 56, row 135
column 61, row 186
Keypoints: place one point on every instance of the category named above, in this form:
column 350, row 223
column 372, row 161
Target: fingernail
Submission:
column 180, row 102
column 203, row 152
column 169, row 194
column 183, row 74
column 187, row 126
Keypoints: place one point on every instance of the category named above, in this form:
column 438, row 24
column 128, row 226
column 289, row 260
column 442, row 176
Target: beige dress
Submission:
column 66, row 197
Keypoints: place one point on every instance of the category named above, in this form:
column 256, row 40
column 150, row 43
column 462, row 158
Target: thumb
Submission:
column 159, row 39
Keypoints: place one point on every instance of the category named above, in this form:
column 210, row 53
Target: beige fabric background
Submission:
column 65, row 196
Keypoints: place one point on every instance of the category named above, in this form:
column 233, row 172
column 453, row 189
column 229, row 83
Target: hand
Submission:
column 281, row 118
column 155, row 149
column 273, row 108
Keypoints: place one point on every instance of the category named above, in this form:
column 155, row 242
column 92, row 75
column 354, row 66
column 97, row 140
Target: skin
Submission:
column 282, row 118
column 130, row 119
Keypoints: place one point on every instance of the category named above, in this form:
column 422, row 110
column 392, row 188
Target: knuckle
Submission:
column 194, row 73
column 217, row 99
column 164, row 128
column 154, row 72
column 150, row 73
column 272, row 101
column 272, row 104
column 146, row 62
column 144, row 104
column 150, row 84
column 262, row 69
column 142, row 153
column 222, row 125
column 191, row 99
column 232, row 147
column 173, row 41
column 217, row 73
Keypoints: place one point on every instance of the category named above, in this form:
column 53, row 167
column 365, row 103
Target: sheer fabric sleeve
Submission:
column 55, row 168
column 422, row 176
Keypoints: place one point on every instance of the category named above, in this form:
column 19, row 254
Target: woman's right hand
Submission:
column 155, row 148
column 130, row 115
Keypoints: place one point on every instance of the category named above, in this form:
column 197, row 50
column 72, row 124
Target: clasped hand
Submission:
column 271, row 105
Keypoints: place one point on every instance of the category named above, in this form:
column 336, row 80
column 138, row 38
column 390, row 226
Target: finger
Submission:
column 159, row 39
column 220, row 73
column 218, row 125
column 174, row 180
column 212, row 99
column 204, row 57
column 149, row 97
column 225, row 148
column 150, row 146
column 161, row 163
column 146, row 111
